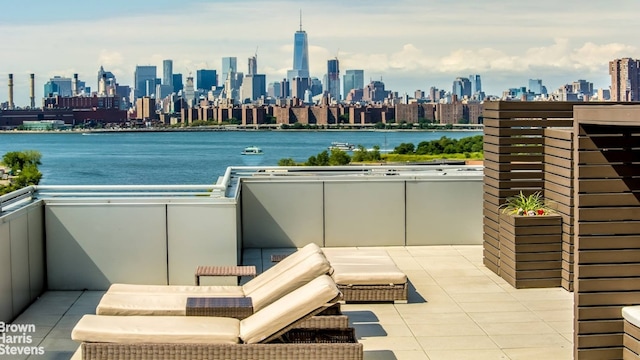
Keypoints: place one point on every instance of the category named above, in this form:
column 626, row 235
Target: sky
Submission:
column 409, row 44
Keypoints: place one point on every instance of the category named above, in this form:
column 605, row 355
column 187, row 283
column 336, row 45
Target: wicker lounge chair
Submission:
column 365, row 275
column 175, row 303
column 299, row 268
column 267, row 334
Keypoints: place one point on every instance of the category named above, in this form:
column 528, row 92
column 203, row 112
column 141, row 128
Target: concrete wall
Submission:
column 91, row 245
column 361, row 212
column 282, row 214
column 22, row 267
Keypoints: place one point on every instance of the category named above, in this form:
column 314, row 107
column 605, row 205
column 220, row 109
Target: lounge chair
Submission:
column 172, row 300
column 266, row 334
column 365, row 275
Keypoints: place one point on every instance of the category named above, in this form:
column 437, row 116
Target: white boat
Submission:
column 344, row 146
column 252, row 150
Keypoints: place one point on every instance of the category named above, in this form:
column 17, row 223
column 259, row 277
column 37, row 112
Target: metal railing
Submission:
column 16, row 199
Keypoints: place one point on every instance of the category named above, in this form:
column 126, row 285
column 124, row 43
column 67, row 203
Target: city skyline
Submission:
column 411, row 45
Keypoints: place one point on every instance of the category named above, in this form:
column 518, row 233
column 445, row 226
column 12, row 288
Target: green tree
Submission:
column 286, row 162
column 324, row 158
column 404, row 148
column 338, row 157
column 17, row 160
column 24, row 164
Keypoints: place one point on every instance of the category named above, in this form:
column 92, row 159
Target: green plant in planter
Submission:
column 532, row 205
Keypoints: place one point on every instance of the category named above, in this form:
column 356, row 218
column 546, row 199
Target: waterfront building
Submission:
column 353, row 79
column 167, row 73
column 146, row 108
column 206, row 79
column 333, row 79
column 145, row 80
column 625, row 79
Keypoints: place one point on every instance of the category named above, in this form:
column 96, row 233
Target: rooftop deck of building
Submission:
column 457, row 309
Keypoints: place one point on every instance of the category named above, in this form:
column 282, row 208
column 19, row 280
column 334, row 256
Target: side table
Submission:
column 235, row 307
column 224, row 271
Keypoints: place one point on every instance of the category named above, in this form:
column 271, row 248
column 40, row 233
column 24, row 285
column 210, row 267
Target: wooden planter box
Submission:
column 531, row 250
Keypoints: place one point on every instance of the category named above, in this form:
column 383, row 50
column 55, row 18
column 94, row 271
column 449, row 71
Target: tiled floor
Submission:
column 457, row 309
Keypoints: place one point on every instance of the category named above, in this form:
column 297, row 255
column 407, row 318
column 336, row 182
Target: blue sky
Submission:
column 410, row 44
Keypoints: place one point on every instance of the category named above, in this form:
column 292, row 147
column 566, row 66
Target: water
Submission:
column 184, row 157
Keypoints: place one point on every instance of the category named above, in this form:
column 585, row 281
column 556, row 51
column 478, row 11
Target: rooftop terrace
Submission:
column 457, row 309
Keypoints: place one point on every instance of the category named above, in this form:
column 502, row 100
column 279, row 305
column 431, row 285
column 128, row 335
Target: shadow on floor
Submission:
column 413, row 297
column 379, row 355
column 361, row 316
column 369, row 330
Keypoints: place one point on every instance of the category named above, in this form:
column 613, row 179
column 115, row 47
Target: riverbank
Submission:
column 218, row 129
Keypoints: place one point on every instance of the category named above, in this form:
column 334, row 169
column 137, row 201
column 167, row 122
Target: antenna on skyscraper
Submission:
column 300, row 19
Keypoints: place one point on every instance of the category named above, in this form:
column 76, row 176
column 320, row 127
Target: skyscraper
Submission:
column 206, row 79
column 476, row 84
column 177, row 83
column 535, row 86
column 353, row 79
column 300, row 55
column 333, row 78
column 625, row 79
column 228, row 64
column 144, row 75
column 461, row 88
column 167, row 72
column 253, row 65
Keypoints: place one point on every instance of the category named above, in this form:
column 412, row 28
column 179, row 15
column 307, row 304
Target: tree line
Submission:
column 23, row 168
column 444, row 145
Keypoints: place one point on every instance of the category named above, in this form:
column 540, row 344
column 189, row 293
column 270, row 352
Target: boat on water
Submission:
column 344, row 146
column 252, row 150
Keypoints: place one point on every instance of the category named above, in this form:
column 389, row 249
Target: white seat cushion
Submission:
column 288, row 309
column 157, row 329
column 371, row 274
column 275, row 272
column 295, row 277
column 632, row 315
column 363, row 267
column 175, row 289
column 147, row 304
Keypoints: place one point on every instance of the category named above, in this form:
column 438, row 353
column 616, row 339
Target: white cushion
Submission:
column 353, row 266
column 157, row 329
column 371, row 274
column 136, row 304
column 288, row 309
column 175, row 289
column 296, row 276
column 632, row 315
column 275, row 272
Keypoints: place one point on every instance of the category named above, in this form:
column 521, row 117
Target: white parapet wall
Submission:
column 385, row 207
